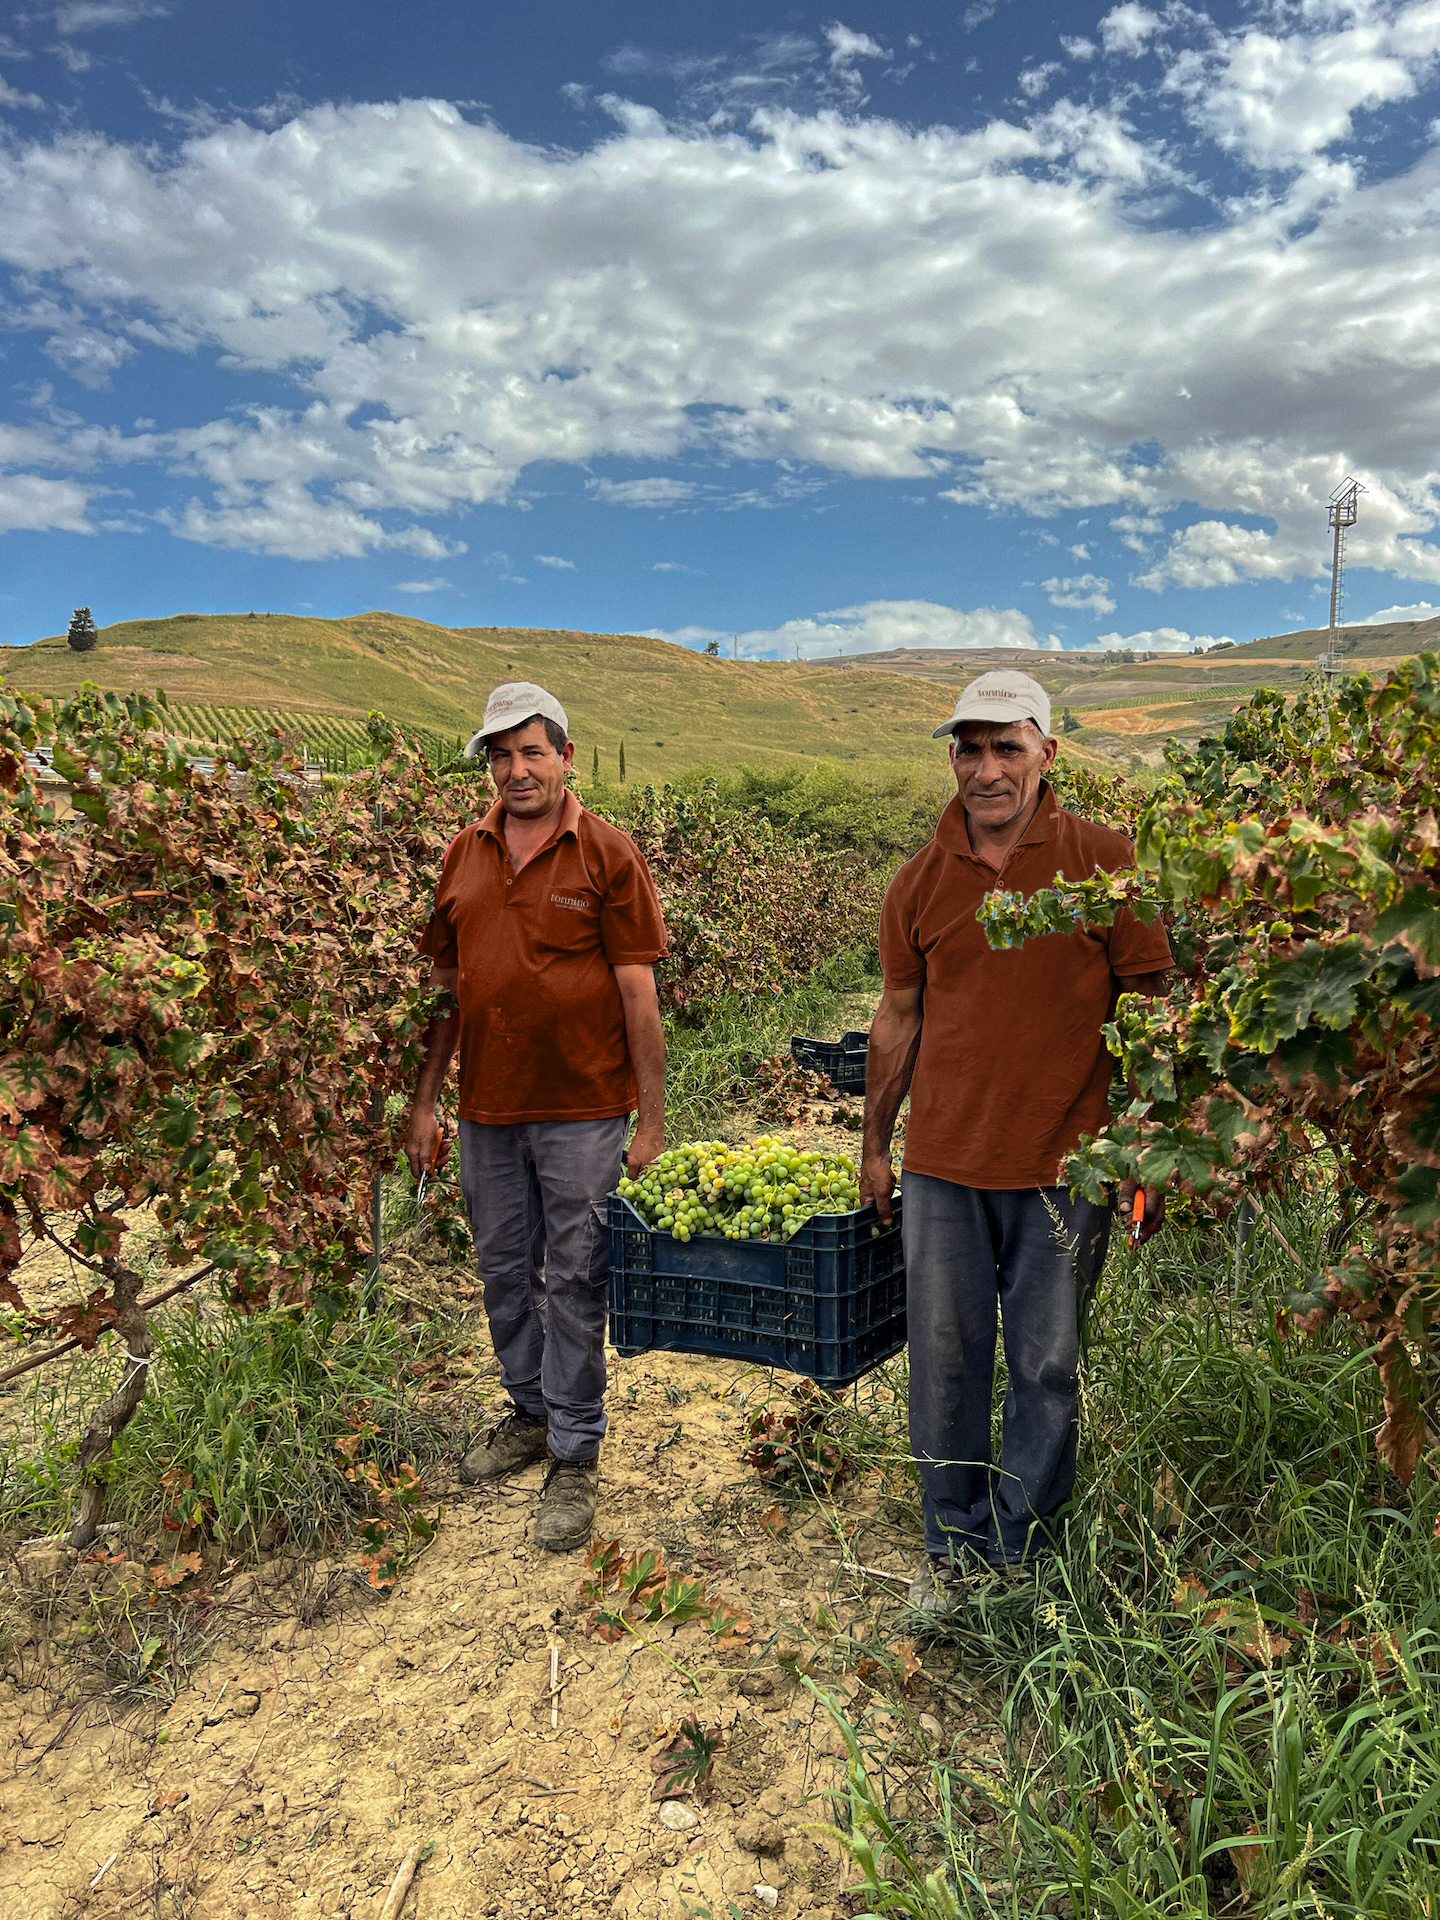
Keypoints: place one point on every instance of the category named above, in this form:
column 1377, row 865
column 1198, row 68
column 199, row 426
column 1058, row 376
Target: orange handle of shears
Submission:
column 1137, row 1216
column 440, row 1145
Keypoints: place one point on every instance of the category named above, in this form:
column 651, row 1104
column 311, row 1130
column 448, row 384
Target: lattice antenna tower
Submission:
column 1343, row 512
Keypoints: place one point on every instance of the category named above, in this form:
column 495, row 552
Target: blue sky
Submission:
column 927, row 325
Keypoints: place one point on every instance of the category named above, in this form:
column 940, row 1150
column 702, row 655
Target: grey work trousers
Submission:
column 1034, row 1256
column 535, row 1194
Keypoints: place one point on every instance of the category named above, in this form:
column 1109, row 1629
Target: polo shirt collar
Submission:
column 493, row 822
column 952, row 833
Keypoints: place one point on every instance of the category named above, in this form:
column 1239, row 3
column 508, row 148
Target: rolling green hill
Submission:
column 673, row 709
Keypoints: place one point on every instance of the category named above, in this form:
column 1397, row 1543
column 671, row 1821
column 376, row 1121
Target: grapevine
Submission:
column 1297, row 856
column 760, row 1192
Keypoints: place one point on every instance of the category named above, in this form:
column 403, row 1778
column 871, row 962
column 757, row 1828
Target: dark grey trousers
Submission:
column 535, row 1194
column 1033, row 1258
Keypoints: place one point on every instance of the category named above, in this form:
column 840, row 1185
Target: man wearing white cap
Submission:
column 545, row 930
column 1005, row 1063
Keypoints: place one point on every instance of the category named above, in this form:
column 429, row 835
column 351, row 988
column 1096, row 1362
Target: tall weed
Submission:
column 1222, row 1692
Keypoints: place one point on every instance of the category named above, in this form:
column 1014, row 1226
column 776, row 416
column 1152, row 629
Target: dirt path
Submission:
column 327, row 1732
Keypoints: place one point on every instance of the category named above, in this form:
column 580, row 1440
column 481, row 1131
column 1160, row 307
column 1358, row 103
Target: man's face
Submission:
column 529, row 774
column 998, row 770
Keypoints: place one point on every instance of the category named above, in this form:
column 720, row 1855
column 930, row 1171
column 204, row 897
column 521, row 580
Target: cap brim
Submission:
column 949, row 727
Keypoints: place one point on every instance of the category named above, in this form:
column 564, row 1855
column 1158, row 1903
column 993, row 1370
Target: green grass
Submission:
column 710, row 1068
column 1230, row 1508
column 241, row 1427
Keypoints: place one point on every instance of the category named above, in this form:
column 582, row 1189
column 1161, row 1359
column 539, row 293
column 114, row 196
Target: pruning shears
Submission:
column 442, row 1143
column 1137, row 1216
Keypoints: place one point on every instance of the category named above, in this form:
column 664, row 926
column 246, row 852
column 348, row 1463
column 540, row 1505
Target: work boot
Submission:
column 518, row 1441
column 940, row 1590
column 566, row 1517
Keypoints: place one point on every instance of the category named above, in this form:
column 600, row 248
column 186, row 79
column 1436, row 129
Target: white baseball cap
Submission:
column 1002, row 698
column 511, row 704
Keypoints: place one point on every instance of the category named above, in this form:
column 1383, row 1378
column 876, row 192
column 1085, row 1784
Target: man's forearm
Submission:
column 645, row 1037
column 890, row 1064
column 440, row 1040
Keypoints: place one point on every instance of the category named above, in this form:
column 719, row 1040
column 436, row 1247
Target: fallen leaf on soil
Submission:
column 910, row 1663
column 1247, row 1858
column 1167, row 1508
column 1189, row 1591
column 172, row 1797
column 772, row 1520
column 174, row 1573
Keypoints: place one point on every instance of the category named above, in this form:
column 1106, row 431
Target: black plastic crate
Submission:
column 829, row 1302
column 843, row 1059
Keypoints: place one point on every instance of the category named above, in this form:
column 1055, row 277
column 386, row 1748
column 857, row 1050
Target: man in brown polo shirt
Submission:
column 1003, row 1057
column 545, row 931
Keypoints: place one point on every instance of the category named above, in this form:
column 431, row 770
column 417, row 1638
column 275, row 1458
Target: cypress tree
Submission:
column 622, row 763
column 595, row 765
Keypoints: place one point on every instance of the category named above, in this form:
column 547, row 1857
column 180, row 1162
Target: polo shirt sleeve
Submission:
column 1133, row 947
column 437, row 938
column 901, row 961
column 632, row 926
column 438, row 941
column 1136, row 948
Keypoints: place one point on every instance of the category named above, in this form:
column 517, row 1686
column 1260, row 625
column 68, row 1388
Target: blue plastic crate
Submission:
column 843, row 1059
column 829, row 1302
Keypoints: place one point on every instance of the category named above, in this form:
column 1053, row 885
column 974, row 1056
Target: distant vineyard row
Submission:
column 1163, row 697
column 336, row 742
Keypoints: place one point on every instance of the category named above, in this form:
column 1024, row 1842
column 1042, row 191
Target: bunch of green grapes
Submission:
column 758, row 1192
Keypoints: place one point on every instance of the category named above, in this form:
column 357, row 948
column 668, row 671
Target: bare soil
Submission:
column 326, row 1730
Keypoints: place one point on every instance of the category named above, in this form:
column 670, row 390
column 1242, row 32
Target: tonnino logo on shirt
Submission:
column 573, row 901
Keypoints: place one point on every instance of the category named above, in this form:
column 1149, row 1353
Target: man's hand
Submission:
column 894, row 1043
column 422, row 1140
column 648, row 1145
column 877, row 1184
column 1151, row 1220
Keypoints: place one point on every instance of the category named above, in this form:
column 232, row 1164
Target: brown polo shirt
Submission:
column 542, row 1026
column 1012, row 1067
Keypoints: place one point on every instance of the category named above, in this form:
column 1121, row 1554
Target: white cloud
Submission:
column 1280, row 97
column 846, row 46
column 554, row 560
column 1034, row 80
column 285, row 520
column 1128, row 29
column 1417, row 610
column 1084, row 592
column 1137, row 530
column 1077, row 47
column 671, row 566
column 832, row 294
column 876, row 626
column 1158, row 640
column 436, row 585
column 12, row 97
column 86, row 16
column 656, row 492
column 31, row 504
